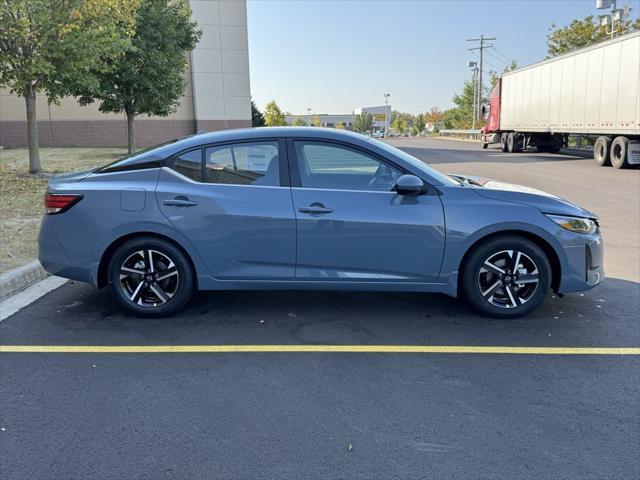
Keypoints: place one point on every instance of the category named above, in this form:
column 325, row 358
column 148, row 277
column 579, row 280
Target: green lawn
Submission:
column 21, row 195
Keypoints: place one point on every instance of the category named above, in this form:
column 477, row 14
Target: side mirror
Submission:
column 410, row 185
column 484, row 110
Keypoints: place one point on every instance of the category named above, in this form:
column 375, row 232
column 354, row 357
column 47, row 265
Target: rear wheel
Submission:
column 511, row 142
column 503, row 142
column 506, row 277
column 151, row 277
column 619, row 152
column 601, row 151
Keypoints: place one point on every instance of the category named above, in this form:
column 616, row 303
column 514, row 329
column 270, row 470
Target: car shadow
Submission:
column 81, row 314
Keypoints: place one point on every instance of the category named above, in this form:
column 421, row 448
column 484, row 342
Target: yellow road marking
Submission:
column 317, row 348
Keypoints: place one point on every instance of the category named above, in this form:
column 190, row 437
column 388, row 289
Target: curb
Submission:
column 20, row 278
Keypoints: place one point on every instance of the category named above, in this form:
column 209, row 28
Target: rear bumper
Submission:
column 55, row 258
column 585, row 267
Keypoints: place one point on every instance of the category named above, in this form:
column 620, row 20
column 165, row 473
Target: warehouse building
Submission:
column 217, row 95
column 346, row 119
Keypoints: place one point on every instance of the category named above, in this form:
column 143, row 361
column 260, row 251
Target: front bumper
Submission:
column 585, row 263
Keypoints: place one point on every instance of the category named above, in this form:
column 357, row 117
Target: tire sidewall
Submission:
column 471, row 269
column 185, row 272
column 511, row 141
column 622, row 161
column 503, row 142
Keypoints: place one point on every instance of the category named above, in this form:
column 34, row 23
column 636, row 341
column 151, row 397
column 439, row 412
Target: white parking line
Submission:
column 30, row 294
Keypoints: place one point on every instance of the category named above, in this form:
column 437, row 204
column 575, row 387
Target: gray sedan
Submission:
column 310, row 208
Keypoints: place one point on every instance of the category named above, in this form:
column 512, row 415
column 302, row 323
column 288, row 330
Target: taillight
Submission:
column 57, row 203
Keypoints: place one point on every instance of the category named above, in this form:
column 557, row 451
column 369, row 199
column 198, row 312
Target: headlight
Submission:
column 575, row 224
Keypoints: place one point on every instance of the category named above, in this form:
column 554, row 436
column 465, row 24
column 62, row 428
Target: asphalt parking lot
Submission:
column 326, row 414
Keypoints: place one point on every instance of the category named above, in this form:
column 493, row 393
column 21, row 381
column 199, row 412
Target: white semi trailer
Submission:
column 593, row 91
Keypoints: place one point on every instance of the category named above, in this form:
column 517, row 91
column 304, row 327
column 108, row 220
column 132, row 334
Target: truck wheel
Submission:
column 518, row 144
column 619, row 152
column 556, row 144
column 511, row 142
column 503, row 142
column 601, row 151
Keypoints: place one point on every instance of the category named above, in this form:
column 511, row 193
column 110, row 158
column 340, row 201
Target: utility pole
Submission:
column 474, row 80
column 482, row 46
column 308, row 116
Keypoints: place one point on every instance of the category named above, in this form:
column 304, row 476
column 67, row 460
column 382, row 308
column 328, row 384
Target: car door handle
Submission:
column 179, row 202
column 315, row 209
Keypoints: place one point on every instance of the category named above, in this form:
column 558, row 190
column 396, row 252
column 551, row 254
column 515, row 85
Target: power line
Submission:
column 509, row 60
column 498, row 59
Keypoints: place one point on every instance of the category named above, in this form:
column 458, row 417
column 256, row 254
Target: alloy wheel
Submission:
column 508, row 279
column 149, row 278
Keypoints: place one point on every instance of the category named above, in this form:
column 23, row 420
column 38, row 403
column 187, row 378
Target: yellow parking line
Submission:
column 318, row 348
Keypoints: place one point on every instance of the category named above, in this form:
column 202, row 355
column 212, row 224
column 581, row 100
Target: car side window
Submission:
column 189, row 164
column 331, row 166
column 252, row 163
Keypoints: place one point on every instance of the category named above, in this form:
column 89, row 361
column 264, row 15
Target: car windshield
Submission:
column 440, row 177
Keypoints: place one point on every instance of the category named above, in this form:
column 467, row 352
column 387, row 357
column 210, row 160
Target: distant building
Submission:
column 217, row 95
column 347, row 119
column 326, row 120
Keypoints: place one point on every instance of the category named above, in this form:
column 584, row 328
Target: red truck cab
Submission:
column 490, row 132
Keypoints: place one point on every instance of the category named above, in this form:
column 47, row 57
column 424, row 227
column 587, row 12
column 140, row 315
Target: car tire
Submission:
column 503, row 142
column 151, row 277
column 602, row 150
column 620, row 152
column 500, row 295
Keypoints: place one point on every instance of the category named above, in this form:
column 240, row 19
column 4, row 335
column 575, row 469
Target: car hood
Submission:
column 509, row 192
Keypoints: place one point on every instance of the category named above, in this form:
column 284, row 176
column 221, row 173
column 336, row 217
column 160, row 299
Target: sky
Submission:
column 334, row 56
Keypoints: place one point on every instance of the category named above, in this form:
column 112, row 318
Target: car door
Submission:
column 352, row 226
column 232, row 201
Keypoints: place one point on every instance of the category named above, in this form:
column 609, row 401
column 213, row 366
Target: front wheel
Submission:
column 151, row 277
column 506, row 277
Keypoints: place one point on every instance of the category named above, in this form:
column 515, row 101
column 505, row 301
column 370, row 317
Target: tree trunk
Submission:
column 32, row 132
column 131, row 138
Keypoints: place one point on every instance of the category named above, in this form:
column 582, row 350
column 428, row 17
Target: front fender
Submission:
column 467, row 224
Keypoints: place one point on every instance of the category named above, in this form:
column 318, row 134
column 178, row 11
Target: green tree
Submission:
column 299, row 122
column 580, row 33
column 149, row 79
column 257, row 118
column 363, row 122
column 461, row 116
column 273, row 115
column 52, row 47
column 420, row 123
column 401, row 121
column 316, row 121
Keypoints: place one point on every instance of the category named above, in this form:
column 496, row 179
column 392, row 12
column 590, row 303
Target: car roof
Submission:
column 203, row 138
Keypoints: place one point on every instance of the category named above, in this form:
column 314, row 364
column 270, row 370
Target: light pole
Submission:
column 386, row 114
column 308, row 116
